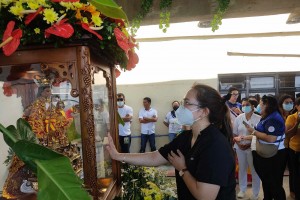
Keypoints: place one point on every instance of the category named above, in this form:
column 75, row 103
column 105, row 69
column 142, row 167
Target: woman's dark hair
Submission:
column 219, row 115
column 252, row 102
column 271, row 104
column 297, row 101
column 280, row 102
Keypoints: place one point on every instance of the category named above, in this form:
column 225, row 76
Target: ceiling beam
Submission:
column 227, row 36
column 262, row 54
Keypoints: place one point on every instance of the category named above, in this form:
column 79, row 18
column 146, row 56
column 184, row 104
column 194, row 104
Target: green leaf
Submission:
column 28, row 152
column 14, row 133
column 25, row 131
column 120, row 120
column 56, row 180
column 109, row 8
column 9, row 135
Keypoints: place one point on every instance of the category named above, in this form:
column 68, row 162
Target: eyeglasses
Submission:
column 120, row 99
column 186, row 103
column 235, row 94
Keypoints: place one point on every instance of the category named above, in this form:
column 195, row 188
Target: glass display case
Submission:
column 68, row 96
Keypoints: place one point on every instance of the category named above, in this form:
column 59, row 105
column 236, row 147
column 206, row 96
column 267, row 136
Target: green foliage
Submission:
column 109, row 8
column 219, row 13
column 165, row 6
column 144, row 10
column 164, row 22
column 147, row 183
column 63, row 184
column 72, row 133
column 54, row 170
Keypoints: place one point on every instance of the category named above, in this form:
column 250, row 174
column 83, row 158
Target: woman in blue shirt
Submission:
column 270, row 130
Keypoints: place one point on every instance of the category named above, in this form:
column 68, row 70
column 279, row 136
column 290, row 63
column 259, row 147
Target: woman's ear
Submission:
column 206, row 111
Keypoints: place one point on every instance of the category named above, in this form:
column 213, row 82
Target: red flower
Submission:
column 11, row 39
column 85, row 26
column 132, row 61
column 61, row 29
column 31, row 16
column 117, row 72
column 123, row 41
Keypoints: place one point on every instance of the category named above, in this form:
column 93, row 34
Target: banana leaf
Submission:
column 120, row 120
column 47, row 164
column 30, row 152
column 109, row 8
column 57, row 184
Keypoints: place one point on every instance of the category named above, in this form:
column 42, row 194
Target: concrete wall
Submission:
column 11, row 110
column 162, row 95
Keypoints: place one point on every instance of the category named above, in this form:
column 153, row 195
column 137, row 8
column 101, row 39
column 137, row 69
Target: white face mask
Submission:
column 185, row 116
column 120, row 103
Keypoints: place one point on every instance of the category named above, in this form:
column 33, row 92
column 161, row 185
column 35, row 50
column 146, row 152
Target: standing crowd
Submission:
column 210, row 135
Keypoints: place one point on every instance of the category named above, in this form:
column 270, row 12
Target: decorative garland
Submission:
column 165, row 7
column 218, row 16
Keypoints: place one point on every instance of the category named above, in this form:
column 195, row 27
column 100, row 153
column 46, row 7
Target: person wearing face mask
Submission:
column 292, row 125
column 286, row 107
column 233, row 104
column 270, row 130
column 171, row 121
column 203, row 157
column 243, row 150
column 126, row 113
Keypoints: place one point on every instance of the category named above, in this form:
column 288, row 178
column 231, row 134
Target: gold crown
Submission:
column 42, row 80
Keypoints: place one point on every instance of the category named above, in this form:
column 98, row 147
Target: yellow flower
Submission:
column 5, row 3
column 33, row 5
column 85, row 20
column 77, row 4
column 17, row 9
column 37, row 31
column 67, row 5
column 50, row 15
column 97, row 20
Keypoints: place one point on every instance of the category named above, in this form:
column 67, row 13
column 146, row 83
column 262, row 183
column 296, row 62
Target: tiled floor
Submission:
column 170, row 172
column 285, row 185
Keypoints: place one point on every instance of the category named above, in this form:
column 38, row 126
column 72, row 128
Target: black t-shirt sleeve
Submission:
column 172, row 146
column 215, row 164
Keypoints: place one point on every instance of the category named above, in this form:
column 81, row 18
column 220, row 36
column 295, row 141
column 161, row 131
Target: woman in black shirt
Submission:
column 203, row 157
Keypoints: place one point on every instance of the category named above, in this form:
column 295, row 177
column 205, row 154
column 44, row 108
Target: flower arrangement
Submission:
column 101, row 24
column 147, row 183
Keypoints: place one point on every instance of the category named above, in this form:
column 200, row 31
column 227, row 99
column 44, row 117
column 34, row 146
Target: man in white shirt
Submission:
column 147, row 118
column 126, row 113
column 171, row 121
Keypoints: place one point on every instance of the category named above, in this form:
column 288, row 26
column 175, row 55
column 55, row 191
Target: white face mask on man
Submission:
column 185, row 116
column 120, row 103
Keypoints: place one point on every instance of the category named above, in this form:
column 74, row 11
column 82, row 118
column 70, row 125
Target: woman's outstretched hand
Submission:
column 178, row 161
column 111, row 148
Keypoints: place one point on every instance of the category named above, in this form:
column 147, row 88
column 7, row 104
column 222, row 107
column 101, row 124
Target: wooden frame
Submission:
column 78, row 65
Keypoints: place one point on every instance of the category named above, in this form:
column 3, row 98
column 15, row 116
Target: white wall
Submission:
column 162, row 95
column 11, row 109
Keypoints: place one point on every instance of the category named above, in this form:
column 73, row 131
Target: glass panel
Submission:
column 297, row 81
column 237, row 81
column 102, row 126
column 287, row 81
column 262, row 82
column 46, row 104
